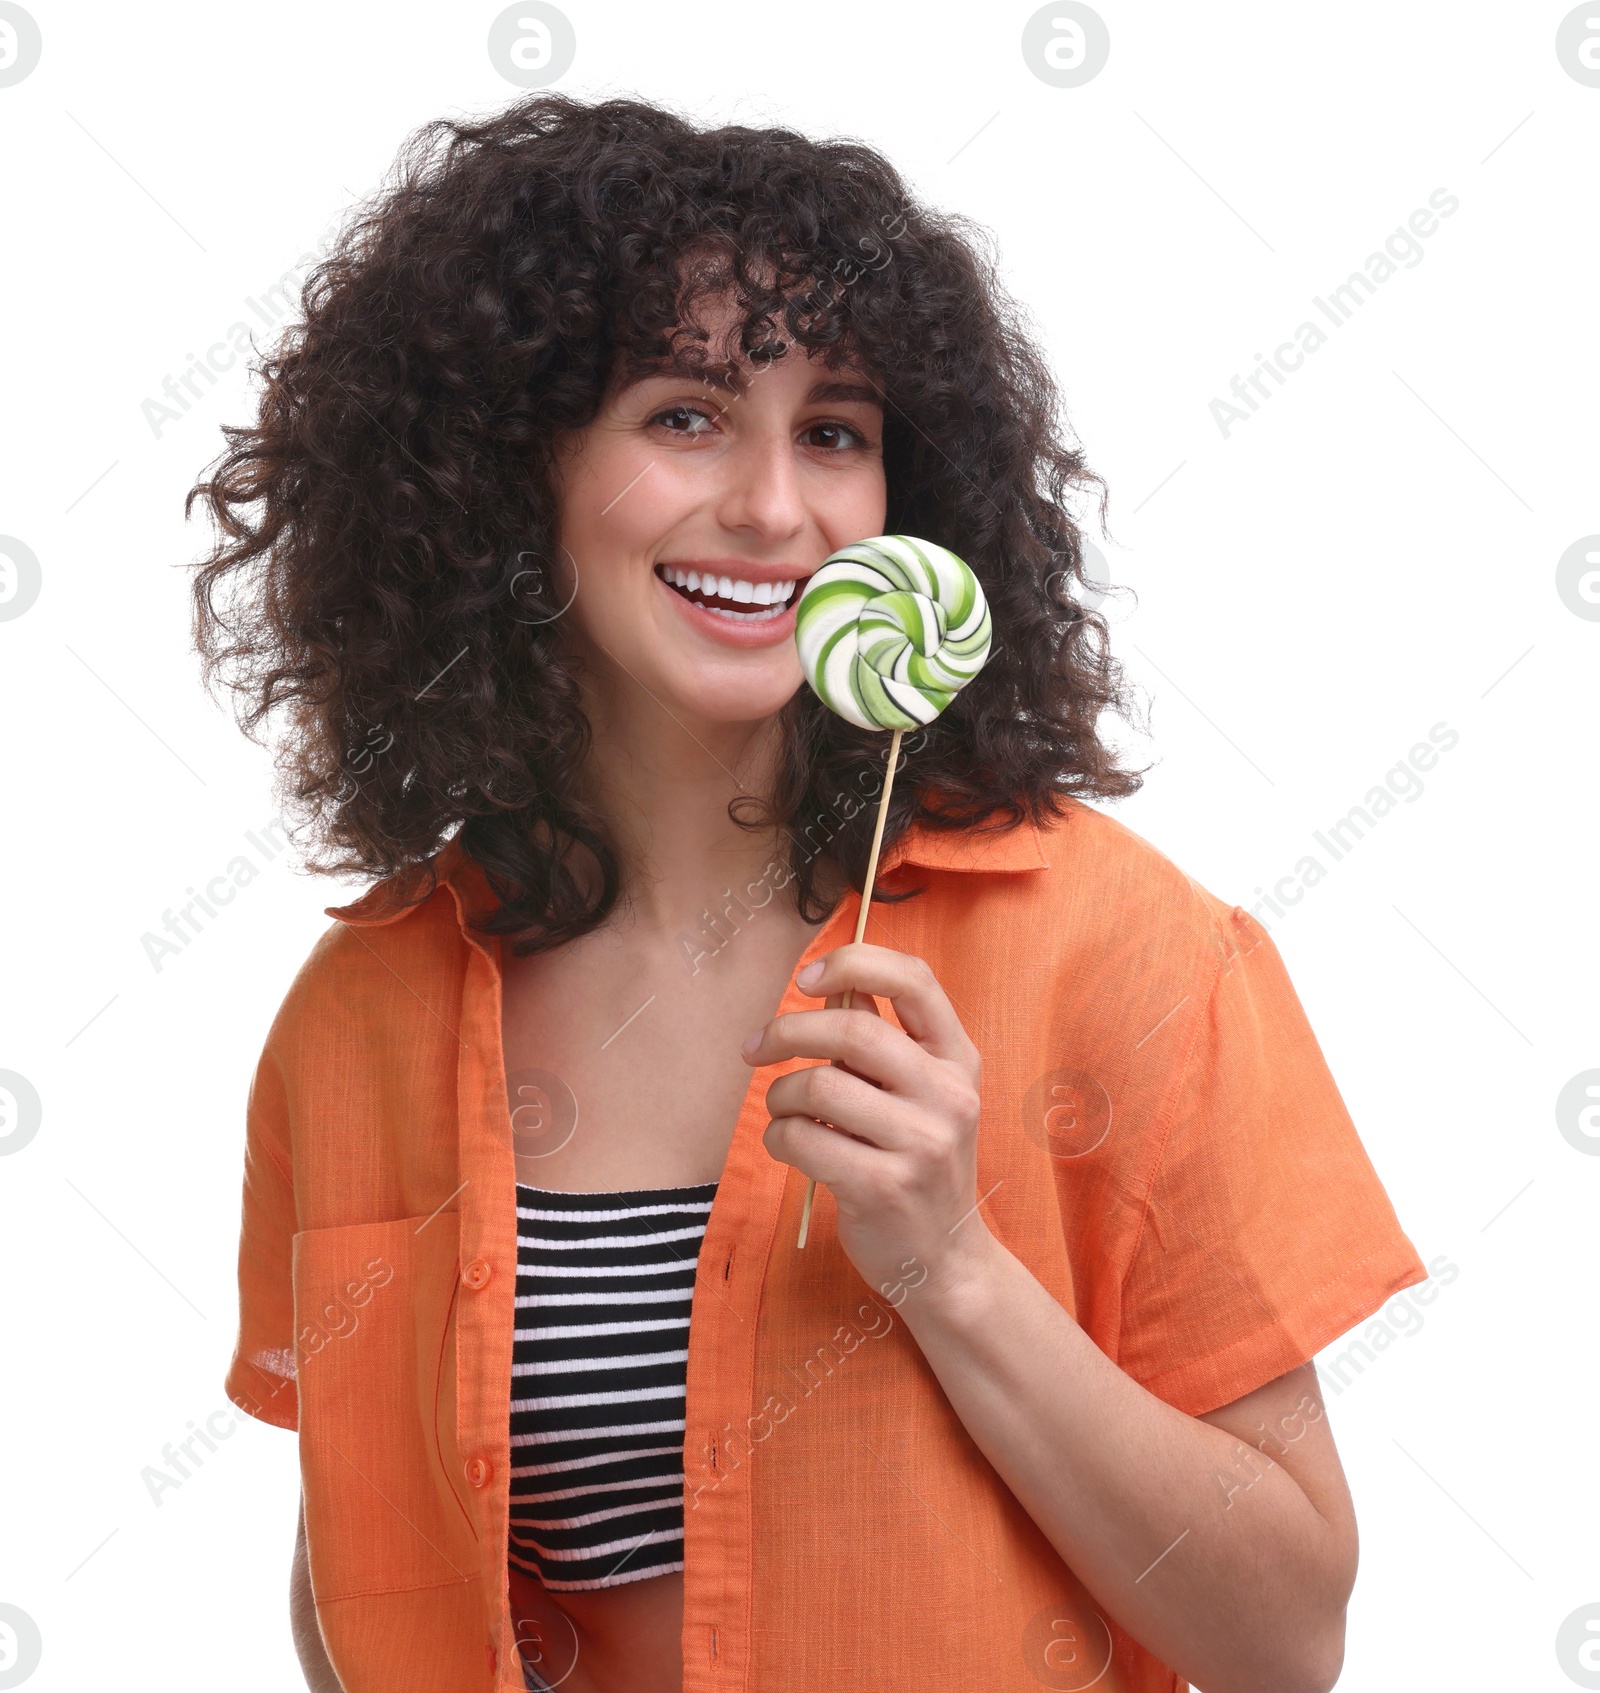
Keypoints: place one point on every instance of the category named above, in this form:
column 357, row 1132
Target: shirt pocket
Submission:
column 373, row 1306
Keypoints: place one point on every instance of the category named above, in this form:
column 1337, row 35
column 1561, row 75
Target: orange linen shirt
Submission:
column 1161, row 1144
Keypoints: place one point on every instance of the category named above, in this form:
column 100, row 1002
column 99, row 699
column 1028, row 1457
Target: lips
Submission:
column 734, row 610
column 744, row 598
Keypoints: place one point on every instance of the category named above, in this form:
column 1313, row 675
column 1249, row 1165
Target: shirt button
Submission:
column 477, row 1471
column 476, row 1274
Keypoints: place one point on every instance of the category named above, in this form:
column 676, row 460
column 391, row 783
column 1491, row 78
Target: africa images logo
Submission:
column 1402, row 249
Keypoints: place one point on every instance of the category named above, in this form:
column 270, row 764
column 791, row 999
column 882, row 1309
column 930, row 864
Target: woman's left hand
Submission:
column 901, row 1158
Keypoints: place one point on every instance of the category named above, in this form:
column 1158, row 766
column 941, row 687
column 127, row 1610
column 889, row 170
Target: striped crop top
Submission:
column 598, row 1371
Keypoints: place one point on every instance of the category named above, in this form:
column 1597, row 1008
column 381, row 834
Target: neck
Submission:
column 663, row 782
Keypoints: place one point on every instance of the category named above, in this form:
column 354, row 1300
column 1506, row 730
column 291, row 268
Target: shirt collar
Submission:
column 396, row 896
column 988, row 845
column 979, row 847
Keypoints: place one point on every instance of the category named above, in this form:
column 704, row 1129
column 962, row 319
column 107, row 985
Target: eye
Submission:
column 680, row 417
column 832, row 433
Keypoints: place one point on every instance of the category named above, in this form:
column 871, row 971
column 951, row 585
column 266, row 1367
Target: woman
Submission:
column 575, row 409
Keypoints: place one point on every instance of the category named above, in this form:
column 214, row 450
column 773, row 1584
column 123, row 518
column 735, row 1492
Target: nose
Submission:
column 761, row 495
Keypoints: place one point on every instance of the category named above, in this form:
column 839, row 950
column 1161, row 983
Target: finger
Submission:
column 832, row 1095
column 907, row 982
column 866, row 1045
column 825, row 1155
column 858, row 1002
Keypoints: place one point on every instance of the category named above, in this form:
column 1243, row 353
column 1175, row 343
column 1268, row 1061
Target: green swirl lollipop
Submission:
column 889, row 631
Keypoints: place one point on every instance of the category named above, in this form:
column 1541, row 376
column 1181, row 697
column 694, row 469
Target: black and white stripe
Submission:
column 605, row 1282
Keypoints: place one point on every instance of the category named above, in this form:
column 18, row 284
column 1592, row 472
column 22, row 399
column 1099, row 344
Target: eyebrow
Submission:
column 835, row 388
column 841, row 391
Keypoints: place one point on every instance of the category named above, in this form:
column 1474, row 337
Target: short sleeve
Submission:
column 1266, row 1232
column 261, row 1376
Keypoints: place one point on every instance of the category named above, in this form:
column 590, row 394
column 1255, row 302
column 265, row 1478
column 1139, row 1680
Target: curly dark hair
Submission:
column 373, row 526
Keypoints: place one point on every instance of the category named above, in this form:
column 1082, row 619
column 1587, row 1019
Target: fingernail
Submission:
column 751, row 1042
column 809, row 975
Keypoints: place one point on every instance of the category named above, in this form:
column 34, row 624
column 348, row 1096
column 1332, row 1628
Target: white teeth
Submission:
column 773, row 595
column 746, row 616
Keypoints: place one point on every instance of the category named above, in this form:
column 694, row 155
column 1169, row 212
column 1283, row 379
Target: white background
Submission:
column 1374, row 552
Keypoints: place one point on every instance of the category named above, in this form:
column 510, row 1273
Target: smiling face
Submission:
column 694, row 507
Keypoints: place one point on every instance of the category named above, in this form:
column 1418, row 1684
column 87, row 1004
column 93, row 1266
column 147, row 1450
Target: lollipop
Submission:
column 889, row 631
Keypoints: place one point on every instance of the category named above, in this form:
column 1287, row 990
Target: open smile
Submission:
column 734, row 611
column 730, row 596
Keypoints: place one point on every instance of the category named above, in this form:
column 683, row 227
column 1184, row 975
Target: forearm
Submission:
column 318, row 1671
column 1233, row 1579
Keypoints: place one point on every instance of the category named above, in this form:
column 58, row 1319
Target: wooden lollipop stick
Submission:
column 861, row 927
